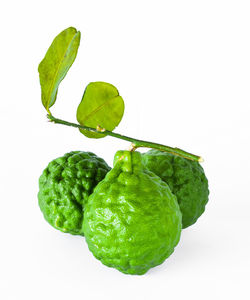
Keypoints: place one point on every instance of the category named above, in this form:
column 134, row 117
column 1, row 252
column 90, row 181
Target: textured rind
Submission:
column 64, row 187
column 132, row 221
column 186, row 180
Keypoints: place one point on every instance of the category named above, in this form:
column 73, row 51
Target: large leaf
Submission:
column 101, row 105
column 56, row 63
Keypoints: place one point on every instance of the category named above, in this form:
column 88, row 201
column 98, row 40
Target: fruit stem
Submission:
column 135, row 142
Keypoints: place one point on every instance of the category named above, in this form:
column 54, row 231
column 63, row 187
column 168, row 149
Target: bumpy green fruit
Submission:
column 186, row 180
column 64, row 187
column 132, row 221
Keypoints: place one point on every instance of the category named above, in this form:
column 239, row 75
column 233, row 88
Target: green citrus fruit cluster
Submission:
column 131, row 215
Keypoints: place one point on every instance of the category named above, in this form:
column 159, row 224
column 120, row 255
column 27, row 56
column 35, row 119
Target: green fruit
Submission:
column 186, row 180
column 132, row 221
column 64, row 187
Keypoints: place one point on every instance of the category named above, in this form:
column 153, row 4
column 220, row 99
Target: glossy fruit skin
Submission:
column 132, row 221
column 186, row 180
column 64, row 187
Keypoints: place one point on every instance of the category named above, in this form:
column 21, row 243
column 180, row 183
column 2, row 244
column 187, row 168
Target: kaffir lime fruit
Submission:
column 132, row 221
column 186, row 180
column 64, row 187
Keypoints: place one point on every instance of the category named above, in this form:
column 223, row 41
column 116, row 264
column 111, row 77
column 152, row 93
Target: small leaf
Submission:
column 102, row 106
column 56, row 63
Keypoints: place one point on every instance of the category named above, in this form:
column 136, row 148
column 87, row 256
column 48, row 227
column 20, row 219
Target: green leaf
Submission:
column 56, row 63
column 102, row 106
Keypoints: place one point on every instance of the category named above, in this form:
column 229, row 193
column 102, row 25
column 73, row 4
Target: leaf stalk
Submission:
column 135, row 142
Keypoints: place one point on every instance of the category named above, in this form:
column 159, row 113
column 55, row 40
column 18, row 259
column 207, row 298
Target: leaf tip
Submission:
column 200, row 159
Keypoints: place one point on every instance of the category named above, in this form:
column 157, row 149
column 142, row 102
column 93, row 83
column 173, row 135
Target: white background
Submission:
column 183, row 69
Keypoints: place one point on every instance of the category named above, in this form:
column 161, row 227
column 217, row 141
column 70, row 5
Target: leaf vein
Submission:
column 93, row 112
